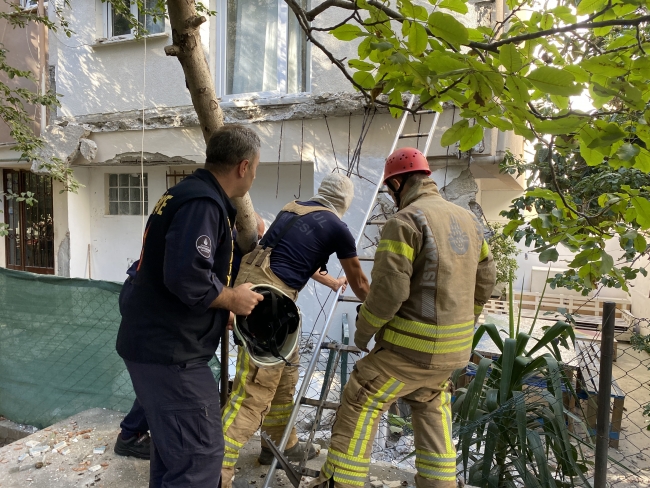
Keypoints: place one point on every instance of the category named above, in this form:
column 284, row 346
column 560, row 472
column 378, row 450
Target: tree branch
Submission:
column 494, row 46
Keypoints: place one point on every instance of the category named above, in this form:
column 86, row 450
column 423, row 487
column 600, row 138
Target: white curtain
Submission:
column 252, row 46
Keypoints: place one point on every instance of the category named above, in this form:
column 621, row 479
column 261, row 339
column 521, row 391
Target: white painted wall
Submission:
column 104, row 78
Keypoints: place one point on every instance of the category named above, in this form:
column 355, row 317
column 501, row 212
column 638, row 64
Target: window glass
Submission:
column 256, row 59
column 125, row 195
column 153, row 26
column 120, row 22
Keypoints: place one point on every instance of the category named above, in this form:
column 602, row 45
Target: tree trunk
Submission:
column 188, row 49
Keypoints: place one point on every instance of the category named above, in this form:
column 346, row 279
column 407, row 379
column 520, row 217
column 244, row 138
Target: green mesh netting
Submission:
column 57, row 348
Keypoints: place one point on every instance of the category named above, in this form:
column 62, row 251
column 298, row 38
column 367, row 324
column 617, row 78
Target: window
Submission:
column 125, row 194
column 266, row 51
column 30, row 242
column 176, row 175
column 30, row 4
column 117, row 24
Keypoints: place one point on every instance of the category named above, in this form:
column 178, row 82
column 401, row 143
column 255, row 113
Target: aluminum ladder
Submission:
column 296, row 472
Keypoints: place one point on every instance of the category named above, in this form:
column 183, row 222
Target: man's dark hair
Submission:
column 230, row 145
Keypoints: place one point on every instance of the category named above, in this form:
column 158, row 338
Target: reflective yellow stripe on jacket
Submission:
column 429, row 338
column 396, row 247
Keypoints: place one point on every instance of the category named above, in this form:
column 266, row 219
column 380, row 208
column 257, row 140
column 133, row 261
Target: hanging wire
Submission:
column 453, row 118
column 277, row 185
column 349, row 135
column 302, row 145
column 366, row 123
column 332, row 143
column 144, row 85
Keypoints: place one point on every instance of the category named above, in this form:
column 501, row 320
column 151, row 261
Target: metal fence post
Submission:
column 604, row 394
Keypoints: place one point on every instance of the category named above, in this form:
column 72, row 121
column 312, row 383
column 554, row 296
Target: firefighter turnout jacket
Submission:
column 433, row 273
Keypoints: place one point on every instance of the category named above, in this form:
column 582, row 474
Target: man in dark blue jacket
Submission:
column 175, row 304
column 134, row 439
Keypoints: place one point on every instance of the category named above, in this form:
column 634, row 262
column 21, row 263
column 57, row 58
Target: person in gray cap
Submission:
column 296, row 248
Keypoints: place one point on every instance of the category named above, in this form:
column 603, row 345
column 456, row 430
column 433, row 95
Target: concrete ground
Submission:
column 78, row 463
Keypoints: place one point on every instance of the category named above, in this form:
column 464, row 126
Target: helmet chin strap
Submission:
column 397, row 192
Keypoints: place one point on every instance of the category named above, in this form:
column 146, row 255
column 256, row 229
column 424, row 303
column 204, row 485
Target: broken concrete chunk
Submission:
column 31, row 444
column 61, row 143
column 373, row 478
column 35, row 451
column 22, row 457
column 94, row 468
column 99, row 450
column 88, row 149
column 60, row 445
column 393, row 484
column 376, row 484
column 66, row 451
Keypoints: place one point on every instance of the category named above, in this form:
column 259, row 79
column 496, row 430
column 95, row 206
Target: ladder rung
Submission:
column 350, row 299
column 316, row 403
column 376, row 222
column 407, row 136
column 424, row 112
column 370, row 258
column 337, row 346
column 382, row 191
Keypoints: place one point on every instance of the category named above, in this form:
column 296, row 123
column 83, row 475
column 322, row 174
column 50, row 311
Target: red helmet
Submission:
column 406, row 160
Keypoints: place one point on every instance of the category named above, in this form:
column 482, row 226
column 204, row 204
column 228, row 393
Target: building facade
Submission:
column 128, row 130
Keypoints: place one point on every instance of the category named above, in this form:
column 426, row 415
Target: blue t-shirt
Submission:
column 311, row 240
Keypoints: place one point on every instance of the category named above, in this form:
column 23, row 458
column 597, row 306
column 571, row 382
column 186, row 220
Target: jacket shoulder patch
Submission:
column 204, row 246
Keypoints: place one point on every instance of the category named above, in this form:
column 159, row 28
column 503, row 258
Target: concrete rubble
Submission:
column 62, row 145
column 79, row 452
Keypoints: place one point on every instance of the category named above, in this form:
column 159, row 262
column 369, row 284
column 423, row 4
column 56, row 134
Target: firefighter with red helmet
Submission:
column 433, row 273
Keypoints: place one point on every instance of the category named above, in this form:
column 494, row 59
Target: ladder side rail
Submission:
column 311, row 367
column 434, row 124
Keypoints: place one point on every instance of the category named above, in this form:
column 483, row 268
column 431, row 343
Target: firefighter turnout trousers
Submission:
column 261, row 397
column 377, row 381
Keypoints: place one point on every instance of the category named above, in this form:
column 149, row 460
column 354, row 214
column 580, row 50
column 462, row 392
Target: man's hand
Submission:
column 341, row 283
column 240, row 300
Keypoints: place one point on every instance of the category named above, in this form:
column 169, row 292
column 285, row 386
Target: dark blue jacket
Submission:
column 186, row 261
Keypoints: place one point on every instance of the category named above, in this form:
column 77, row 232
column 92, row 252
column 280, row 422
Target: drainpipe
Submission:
column 42, row 62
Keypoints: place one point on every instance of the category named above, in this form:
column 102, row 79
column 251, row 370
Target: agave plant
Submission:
column 511, row 421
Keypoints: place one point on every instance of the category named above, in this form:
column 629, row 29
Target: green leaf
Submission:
column 642, row 207
column 510, row 58
column 602, row 65
column 454, row 133
column 360, row 65
column 642, row 160
column 546, row 22
column 607, row 263
column 417, row 39
column 455, row 5
column 500, row 123
column 518, row 89
column 365, row 79
column 448, row 28
column 586, row 7
column 549, row 255
column 347, row 32
column 627, row 151
column 554, row 81
column 607, row 135
column 471, row 137
column 413, row 11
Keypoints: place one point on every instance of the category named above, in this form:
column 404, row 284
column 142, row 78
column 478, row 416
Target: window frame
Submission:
column 31, row 4
column 107, row 15
column 107, row 198
column 283, row 38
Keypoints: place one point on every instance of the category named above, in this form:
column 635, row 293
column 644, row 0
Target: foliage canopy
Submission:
column 527, row 73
